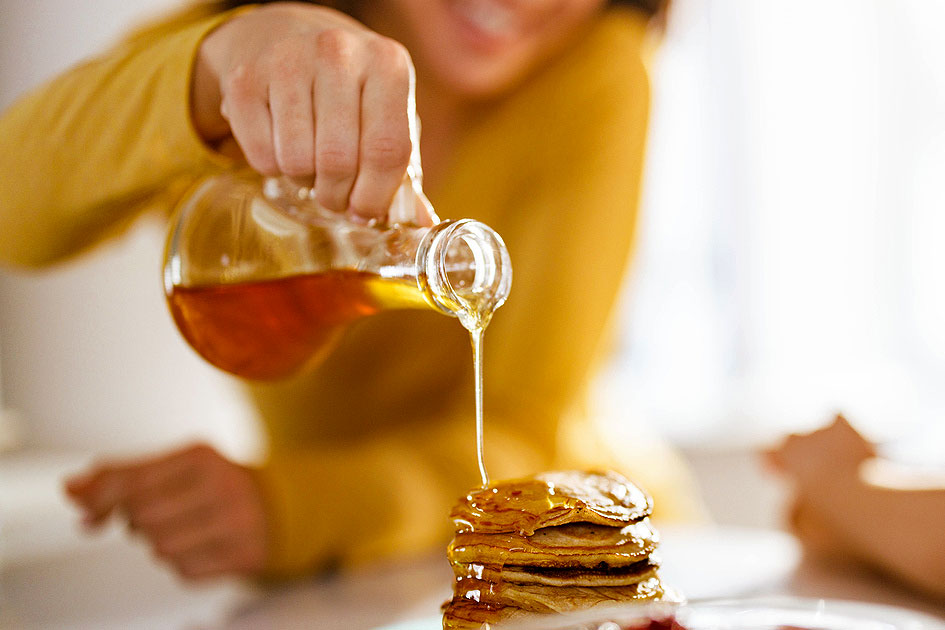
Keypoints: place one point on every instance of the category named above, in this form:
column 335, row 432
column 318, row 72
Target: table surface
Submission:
column 116, row 585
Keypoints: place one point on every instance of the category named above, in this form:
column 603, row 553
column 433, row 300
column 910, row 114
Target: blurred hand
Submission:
column 200, row 512
column 308, row 92
column 838, row 513
column 816, row 459
column 823, row 466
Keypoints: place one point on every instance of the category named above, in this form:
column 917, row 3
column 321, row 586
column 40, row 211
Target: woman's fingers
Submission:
column 168, row 508
column 385, row 145
column 424, row 214
column 99, row 494
column 177, row 468
column 289, row 67
column 307, row 92
column 337, row 100
column 110, row 486
column 836, row 451
column 293, row 129
column 213, row 537
column 245, row 107
column 208, row 547
column 191, row 537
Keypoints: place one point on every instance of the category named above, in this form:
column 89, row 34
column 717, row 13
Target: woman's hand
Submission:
column 307, row 92
column 200, row 512
column 839, row 512
column 823, row 466
column 827, row 454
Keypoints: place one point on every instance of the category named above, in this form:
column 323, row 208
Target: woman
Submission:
column 534, row 118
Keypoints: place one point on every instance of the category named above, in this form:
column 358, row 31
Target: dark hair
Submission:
column 651, row 7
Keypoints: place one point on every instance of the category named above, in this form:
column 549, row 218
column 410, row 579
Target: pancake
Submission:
column 577, row 576
column 523, row 506
column 555, row 599
column 465, row 614
column 573, row 545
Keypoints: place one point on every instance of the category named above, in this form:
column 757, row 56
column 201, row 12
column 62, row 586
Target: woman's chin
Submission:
column 477, row 83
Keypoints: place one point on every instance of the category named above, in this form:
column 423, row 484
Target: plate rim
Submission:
column 900, row 617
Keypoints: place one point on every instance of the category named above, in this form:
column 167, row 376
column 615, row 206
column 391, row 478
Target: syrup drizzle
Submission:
column 475, row 335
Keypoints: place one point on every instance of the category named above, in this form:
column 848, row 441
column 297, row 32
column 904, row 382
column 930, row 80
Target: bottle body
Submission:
column 260, row 279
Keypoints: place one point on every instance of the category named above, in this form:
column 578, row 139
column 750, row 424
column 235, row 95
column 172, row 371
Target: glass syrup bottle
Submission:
column 260, row 278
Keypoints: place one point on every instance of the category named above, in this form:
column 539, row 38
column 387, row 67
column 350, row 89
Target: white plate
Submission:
column 826, row 614
column 756, row 560
column 747, row 614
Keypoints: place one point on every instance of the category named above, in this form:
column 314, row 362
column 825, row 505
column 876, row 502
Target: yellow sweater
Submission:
column 368, row 452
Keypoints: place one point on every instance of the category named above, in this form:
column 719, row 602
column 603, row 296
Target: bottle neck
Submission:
column 462, row 267
column 464, row 270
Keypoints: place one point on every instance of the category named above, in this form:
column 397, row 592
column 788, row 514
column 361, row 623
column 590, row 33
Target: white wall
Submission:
column 791, row 261
column 91, row 359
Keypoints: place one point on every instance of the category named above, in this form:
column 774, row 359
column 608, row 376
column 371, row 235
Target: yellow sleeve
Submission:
column 83, row 153
column 567, row 208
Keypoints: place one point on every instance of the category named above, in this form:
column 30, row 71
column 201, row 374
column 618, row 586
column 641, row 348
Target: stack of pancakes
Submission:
column 555, row 542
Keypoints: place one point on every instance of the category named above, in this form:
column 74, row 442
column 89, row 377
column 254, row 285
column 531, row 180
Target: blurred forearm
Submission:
column 900, row 530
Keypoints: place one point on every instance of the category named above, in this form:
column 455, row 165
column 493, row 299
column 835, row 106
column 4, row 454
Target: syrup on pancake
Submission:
column 555, row 542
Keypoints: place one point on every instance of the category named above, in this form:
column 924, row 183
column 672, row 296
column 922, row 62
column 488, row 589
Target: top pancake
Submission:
column 550, row 499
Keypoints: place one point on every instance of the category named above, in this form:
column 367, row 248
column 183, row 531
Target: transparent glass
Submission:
column 260, row 278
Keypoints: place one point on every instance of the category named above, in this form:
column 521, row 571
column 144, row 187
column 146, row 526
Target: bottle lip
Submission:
column 492, row 265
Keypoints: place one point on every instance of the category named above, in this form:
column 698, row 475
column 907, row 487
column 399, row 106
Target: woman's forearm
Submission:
column 900, row 530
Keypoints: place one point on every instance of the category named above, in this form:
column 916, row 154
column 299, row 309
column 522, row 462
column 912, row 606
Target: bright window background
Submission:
column 792, row 259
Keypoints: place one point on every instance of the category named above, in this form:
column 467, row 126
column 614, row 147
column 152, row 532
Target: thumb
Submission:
column 411, row 206
column 771, row 458
column 423, row 213
column 103, row 494
column 77, row 485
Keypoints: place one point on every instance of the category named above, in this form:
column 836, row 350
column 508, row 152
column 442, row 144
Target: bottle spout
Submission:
column 464, row 270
